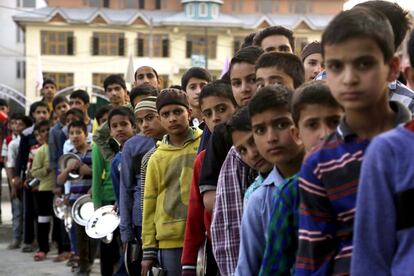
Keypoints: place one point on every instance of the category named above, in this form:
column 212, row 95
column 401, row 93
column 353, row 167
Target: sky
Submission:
column 405, row 4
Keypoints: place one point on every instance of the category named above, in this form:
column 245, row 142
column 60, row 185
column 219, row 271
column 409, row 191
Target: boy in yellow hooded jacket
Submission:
column 167, row 184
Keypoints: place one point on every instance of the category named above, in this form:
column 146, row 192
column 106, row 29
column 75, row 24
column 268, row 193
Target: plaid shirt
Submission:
column 281, row 246
column 232, row 183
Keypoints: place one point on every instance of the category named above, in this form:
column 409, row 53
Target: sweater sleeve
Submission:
column 149, row 242
column 53, row 149
column 98, row 164
column 317, row 225
column 195, row 231
column 40, row 164
column 126, row 194
column 375, row 234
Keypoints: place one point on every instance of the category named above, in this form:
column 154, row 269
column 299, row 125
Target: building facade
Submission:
column 80, row 42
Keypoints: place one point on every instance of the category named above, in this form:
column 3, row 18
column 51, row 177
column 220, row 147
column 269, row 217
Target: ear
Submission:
column 394, row 64
column 190, row 112
column 294, row 132
column 409, row 76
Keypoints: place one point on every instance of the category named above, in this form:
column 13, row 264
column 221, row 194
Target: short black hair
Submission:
column 176, row 86
column 360, row 23
column 142, row 90
column 274, row 30
column 410, row 48
column 36, row 105
column 101, row 111
column 114, row 79
column 76, row 112
column 248, row 40
column 313, row 92
column 398, row 18
column 153, row 70
column 122, row 111
column 247, row 55
column 41, row 124
column 48, row 81
column 240, row 121
column 79, row 124
column 80, row 94
column 286, row 62
column 218, row 88
column 59, row 99
column 3, row 102
column 21, row 117
column 195, row 72
column 270, row 98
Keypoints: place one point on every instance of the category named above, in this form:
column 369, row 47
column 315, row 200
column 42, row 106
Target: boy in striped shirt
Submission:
column 359, row 55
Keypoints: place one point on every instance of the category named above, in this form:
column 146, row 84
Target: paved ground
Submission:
column 16, row 263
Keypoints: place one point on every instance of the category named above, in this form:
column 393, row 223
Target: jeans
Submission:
column 170, row 261
column 17, row 218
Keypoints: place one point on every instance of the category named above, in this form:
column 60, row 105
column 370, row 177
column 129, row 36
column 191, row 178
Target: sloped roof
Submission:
column 171, row 18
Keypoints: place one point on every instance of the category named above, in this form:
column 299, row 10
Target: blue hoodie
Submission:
column 384, row 224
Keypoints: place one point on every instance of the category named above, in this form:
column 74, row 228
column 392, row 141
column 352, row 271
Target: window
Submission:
column 160, row 45
column 164, row 81
column 57, row 43
column 267, row 6
column 202, row 9
column 28, row 3
column 237, row 43
column 300, row 42
column 21, row 70
column 214, row 11
column 99, row 3
column 299, row 6
column 190, row 11
column 141, row 4
column 130, row 4
column 108, row 44
column 98, row 78
column 62, row 80
column 157, row 4
column 196, row 45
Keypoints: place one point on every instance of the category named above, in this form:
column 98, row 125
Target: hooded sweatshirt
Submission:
column 166, row 195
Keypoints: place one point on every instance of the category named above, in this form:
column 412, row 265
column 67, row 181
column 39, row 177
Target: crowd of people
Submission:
column 287, row 165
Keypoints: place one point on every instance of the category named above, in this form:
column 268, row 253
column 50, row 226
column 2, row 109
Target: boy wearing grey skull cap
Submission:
column 311, row 57
column 167, row 184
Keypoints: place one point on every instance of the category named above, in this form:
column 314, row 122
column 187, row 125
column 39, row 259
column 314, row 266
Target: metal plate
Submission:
column 103, row 222
column 82, row 210
column 65, row 160
column 59, row 207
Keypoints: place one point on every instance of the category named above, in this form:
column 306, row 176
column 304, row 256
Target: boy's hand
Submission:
column 146, row 267
column 73, row 165
column 17, row 182
column 58, row 190
column 209, row 200
column 84, row 170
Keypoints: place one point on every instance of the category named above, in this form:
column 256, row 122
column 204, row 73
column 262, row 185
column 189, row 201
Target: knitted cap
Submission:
column 311, row 48
column 147, row 104
column 172, row 96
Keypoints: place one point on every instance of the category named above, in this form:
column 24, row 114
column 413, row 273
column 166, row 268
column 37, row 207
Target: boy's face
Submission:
column 273, row 136
column 79, row 104
column 18, row 126
column 175, row 118
column 40, row 114
column 266, row 76
column 149, row 123
column 77, row 137
column 216, row 110
column 138, row 99
column 313, row 66
column 4, row 109
column 193, row 90
column 41, row 135
column 276, row 43
column 61, row 109
column 71, row 118
column 146, row 74
column 121, row 128
column 244, row 143
column 316, row 122
column 116, row 94
column 357, row 74
column 49, row 91
column 243, row 82
column 103, row 119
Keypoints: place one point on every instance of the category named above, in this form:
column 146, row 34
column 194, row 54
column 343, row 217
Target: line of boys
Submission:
column 291, row 218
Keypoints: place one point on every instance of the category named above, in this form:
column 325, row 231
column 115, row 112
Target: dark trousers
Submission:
column 60, row 235
column 28, row 217
column 86, row 249
column 112, row 261
column 44, row 210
